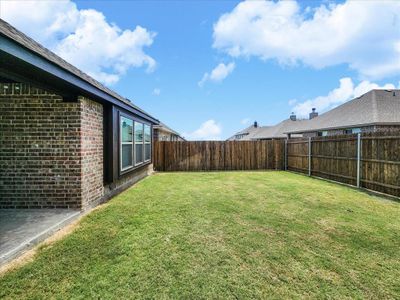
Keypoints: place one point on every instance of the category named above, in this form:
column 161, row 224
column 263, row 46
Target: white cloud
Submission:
column 245, row 121
column 156, row 92
column 218, row 74
column 345, row 92
column 82, row 37
column 364, row 35
column 209, row 130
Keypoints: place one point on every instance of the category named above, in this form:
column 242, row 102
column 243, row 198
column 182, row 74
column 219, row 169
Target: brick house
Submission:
column 375, row 111
column 162, row 132
column 274, row 132
column 66, row 141
column 246, row 134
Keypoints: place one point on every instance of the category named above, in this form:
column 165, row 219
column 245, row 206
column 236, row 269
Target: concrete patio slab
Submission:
column 21, row 229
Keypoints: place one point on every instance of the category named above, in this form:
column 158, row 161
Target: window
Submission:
column 322, row 133
column 352, row 131
column 135, row 143
column 126, row 143
column 147, row 142
column 348, row 131
column 138, row 143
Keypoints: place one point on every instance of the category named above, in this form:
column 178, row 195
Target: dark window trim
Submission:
column 121, row 143
column 137, row 119
column 146, row 143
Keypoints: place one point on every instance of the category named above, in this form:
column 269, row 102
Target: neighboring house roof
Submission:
column 247, row 133
column 21, row 39
column 163, row 127
column 377, row 107
column 278, row 131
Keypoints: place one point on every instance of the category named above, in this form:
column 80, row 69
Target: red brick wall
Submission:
column 127, row 180
column 387, row 128
column 39, row 149
column 51, row 152
column 365, row 129
column 92, row 152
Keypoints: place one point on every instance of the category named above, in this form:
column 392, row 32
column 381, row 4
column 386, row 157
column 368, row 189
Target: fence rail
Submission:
column 218, row 155
column 370, row 161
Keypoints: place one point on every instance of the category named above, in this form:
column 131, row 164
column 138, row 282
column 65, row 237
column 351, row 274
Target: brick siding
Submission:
column 365, row 129
column 39, row 149
column 51, row 152
column 91, row 152
column 387, row 128
column 126, row 181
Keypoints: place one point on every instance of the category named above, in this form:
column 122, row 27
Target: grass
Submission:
column 223, row 235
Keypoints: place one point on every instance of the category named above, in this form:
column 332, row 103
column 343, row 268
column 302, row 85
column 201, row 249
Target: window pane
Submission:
column 126, row 156
column 138, row 132
column 126, row 129
column 147, row 152
column 147, row 134
column 139, row 153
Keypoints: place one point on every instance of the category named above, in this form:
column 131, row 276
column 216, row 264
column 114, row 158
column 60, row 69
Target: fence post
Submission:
column 358, row 159
column 286, row 149
column 309, row 156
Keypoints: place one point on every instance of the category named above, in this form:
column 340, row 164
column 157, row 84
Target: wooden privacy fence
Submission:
column 371, row 161
column 218, row 155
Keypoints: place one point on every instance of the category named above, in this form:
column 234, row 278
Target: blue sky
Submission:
column 270, row 76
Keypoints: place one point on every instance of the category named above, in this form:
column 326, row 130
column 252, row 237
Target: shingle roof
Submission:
column 278, row 131
column 161, row 125
column 22, row 39
column 377, row 107
column 248, row 133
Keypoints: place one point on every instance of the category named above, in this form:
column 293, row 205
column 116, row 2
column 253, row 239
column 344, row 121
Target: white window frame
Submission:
column 126, row 143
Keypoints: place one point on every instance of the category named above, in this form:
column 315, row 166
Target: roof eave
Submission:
column 18, row 51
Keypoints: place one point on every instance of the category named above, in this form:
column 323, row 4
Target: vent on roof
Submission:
column 293, row 117
column 255, row 124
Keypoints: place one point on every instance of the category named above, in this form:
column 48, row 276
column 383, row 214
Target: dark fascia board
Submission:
column 13, row 48
column 346, row 127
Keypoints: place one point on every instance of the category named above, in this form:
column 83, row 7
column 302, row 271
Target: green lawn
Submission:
column 223, row 235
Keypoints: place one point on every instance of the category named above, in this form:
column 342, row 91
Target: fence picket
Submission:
column 373, row 163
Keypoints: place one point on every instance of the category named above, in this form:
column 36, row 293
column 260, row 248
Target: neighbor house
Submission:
column 162, row 132
column 375, row 111
column 277, row 131
column 245, row 134
column 274, row 132
column 66, row 141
